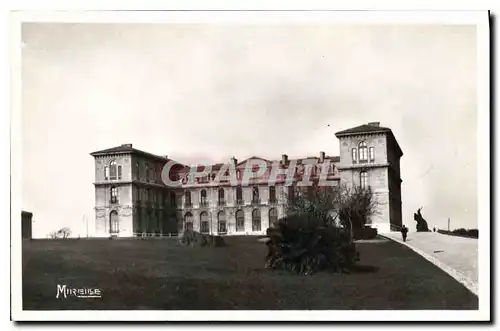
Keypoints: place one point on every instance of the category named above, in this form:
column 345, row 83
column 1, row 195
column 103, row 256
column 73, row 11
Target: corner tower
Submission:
column 370, row 157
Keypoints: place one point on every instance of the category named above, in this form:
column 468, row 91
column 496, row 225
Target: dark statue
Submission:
column 421, row 222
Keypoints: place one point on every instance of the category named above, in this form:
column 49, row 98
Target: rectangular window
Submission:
column 363, row 179
column 114, row 195
column 119, row 172
column 137, row 171
column 291, row 192
column 106, row 173
column 362, row 154
column 354, row 158
column 112, row 171
column 372, row 154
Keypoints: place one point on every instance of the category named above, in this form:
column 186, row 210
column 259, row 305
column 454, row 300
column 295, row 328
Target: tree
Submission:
column 347, row 207
column 316, row 203
column 65, row 232
column 62, row 233
column 356, row 205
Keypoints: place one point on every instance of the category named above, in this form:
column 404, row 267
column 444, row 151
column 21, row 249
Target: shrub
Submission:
column 194, row 238
column 305, row 246
column 473, row 233
column 364, row 233
column 470, row 233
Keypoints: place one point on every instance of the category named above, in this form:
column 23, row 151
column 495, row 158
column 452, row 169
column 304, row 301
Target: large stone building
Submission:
column 132, row 198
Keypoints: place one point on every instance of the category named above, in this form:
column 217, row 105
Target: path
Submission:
column 455, row 255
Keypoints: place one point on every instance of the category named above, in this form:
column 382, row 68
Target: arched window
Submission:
column 203, row 198
column 363, row 151
column 119, row 172
column 221, row 197
column 114, row 224
column 240, row 221
column 187, row 199
column 114, row 195
column 354, row 155
column 272, row 194
column 256, row 220
column 221, row 223
column 363, row 179
column 204, row 224
column 106, row 172
column 239, row 195
column 112, row 170
column 255, row 195
column 147, row 195
column 273, row 217
column 188, row 221
column 147, row 172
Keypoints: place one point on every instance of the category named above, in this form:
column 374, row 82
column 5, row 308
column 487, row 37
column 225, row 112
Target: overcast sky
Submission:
column 206, row 93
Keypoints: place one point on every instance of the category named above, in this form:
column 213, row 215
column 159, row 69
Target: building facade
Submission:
column 130, row 196
column 132, row 199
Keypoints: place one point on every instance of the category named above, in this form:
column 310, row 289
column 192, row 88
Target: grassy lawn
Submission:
column 162, row 275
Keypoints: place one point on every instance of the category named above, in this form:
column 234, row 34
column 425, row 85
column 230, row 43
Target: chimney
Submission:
column 234, row 161
column 165, row 156
column 321, row 157
column 284, row 159
column 375, row 124
column 127, row 145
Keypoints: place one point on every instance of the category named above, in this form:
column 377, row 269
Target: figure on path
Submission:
column 404, row 232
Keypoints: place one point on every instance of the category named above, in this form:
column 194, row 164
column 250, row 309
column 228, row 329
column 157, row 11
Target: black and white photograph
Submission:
column 252, row 166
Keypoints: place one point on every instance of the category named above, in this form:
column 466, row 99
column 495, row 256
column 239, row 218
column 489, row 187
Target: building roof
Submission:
column 218, row 166
column 365, row 128
column 128, row 149
column 372, row 127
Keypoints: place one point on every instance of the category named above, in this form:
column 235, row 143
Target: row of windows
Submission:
column 301, row 169
column 143, row 194
column 222, row 224
column 152, row 173
column 363, row 153
column 239, row 196
column 114, row 171
column 146, row 195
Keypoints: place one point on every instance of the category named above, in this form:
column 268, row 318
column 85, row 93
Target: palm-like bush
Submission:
column 304, row 245
column 318, row 232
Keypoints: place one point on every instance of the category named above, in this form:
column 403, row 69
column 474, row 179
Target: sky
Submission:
column 205, row 93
